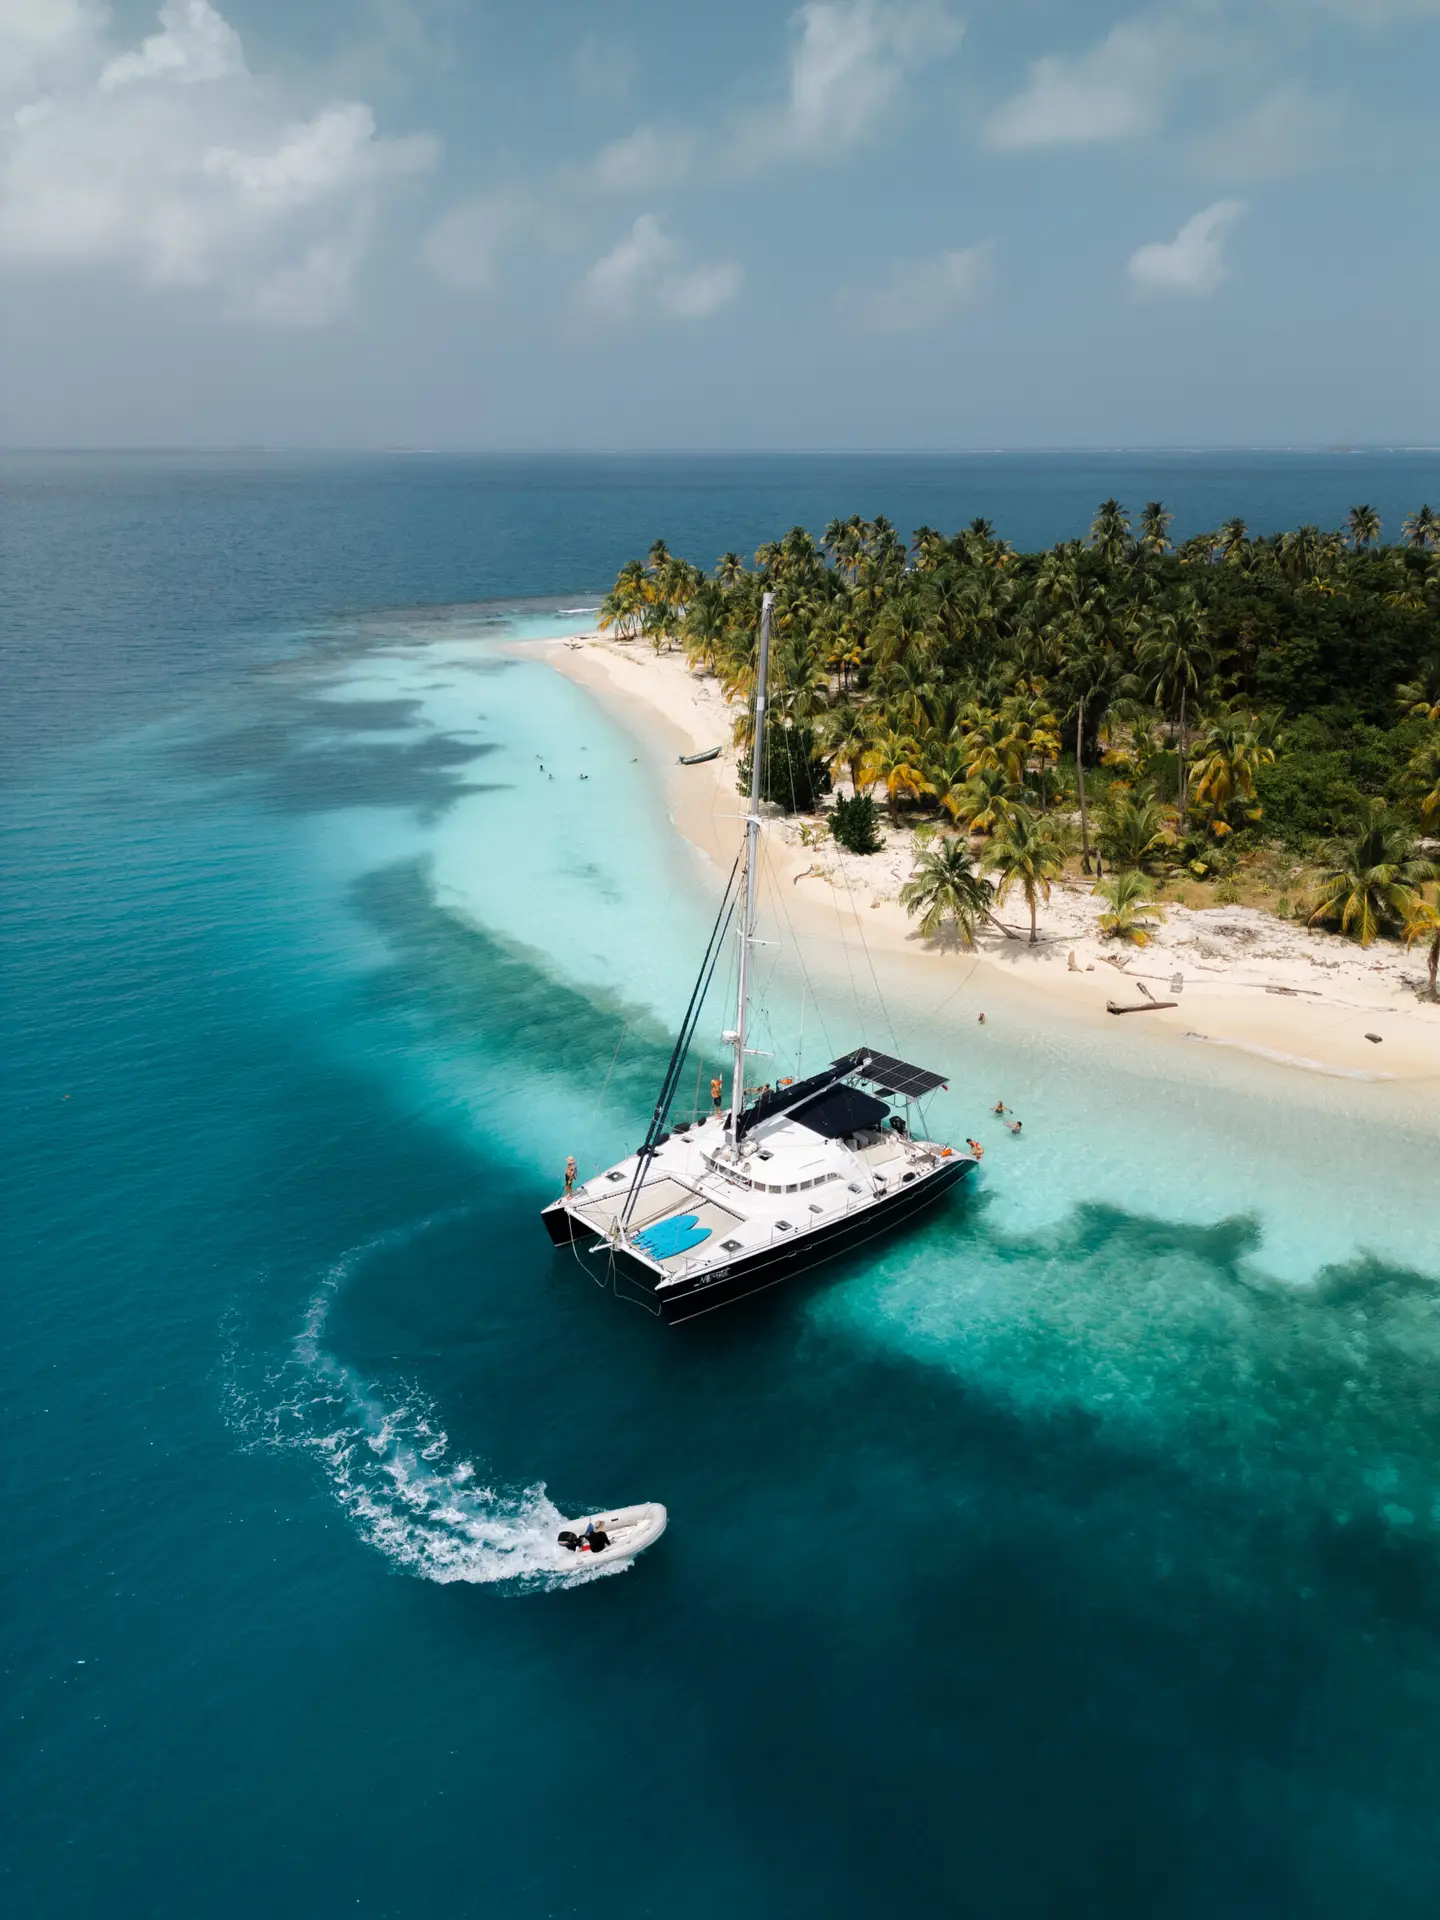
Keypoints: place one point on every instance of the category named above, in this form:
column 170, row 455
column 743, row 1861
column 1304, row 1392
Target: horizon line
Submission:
column 1334, row 449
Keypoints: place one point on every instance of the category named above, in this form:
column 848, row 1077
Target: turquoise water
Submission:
column 1077, row 1554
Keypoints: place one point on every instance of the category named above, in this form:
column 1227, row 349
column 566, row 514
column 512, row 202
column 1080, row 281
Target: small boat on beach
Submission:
column 619, row 1535
column 698, row 759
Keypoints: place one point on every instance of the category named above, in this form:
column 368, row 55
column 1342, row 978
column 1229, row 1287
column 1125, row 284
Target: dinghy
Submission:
column 698, row 759
column 625, row 1532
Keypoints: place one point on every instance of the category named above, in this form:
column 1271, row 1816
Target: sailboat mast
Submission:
column 752, row 842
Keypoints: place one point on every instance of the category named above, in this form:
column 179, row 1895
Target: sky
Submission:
column 897, row 224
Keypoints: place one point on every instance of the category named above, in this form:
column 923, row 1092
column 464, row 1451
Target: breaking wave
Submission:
column 389, row 1462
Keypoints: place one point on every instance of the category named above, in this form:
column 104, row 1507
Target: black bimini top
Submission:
column 841, row 1110
column 810, row 1100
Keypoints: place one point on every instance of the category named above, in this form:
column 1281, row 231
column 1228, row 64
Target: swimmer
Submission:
column 1013, row 1125
column 1000, row 1108
column 976, row 1148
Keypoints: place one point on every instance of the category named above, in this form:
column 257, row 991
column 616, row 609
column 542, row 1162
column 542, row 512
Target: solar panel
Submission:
column 896, row 1076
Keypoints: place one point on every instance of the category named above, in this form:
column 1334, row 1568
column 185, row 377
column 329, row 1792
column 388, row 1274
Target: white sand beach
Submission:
column 1298, row 999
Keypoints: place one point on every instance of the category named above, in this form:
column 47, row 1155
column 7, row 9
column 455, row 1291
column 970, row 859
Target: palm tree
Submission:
column 846, row 735
column 1421, row 696
column 1129, row 899
column 1026, row 854
column 1133, row 827
column 947, row 887
column 1234, row 542
column 1423, row 919
column 987, row 801
column 1422, row 529
column 1155, row 521
column 895, row 760
column 1364, row 525
column 1422, row 780
column 1231, row 753
column 1373, row 881
column 1175, row 662
column 1110, row 532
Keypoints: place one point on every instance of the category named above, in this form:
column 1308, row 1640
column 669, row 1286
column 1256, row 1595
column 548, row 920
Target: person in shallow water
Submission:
column 1013, row 1125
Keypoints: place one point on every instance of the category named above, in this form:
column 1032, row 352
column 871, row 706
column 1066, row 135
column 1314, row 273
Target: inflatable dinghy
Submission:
column 618, row 1535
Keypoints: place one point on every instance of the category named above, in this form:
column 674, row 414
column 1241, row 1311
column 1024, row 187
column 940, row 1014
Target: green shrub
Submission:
column 855, row 823
column 794, row 777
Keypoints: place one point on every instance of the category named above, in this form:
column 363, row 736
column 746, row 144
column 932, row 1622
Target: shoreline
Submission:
column 1292, row 1000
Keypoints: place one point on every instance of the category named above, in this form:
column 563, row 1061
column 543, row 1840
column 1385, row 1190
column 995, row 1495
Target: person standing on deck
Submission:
column 570, row 1172
column 717, row 1090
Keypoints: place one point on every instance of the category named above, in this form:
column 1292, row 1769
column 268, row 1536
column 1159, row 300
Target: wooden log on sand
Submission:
column 1140, row 1006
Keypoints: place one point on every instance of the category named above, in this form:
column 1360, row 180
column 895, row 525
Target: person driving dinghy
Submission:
column 593, row 1540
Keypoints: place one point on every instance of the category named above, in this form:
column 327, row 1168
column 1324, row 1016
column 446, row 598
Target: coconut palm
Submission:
column 895, row 761
column 987, row 801
column 1422, row 921
column 1421, row 781
column 1110, row 532
column 1233, row 749
column 1364, row 525
column 1421, row 696
column 1134, row 827
column 845, row 736
column 1026, row 854
column 1129, row 899
column 1234, row 542
column 947, row 889
column 1422, row 529
column 1174, row 663
column 1372, row 881
column 1155, row 520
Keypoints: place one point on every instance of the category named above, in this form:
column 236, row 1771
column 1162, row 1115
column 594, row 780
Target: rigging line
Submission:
column 682, row 1045
column 783, row 912
column 935, row 1011
column 599, row 1098
column 865, row 947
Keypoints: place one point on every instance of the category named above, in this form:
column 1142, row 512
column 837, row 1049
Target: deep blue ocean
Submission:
column 1077, row 1555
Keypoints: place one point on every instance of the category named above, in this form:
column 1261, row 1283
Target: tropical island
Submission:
column 1238, row 721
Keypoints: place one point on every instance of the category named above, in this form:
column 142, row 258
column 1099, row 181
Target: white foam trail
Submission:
column 390, row 1466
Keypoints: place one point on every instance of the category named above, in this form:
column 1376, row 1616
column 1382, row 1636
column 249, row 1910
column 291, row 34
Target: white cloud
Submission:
column 647, row 158
column 194, row 43
column 646, row 276
column 848, row 65
column 175, row 162
column 1286, row 133
column 920, row 294
column 462, row 246
column 1113, row 91
column 1194, row 261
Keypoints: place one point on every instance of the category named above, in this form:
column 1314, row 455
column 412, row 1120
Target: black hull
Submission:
column 770, row 1265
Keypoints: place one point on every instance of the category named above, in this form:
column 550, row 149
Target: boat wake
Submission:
column 389, row 1462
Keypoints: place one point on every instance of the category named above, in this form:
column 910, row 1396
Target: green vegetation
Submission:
column 1212, row 715
column 1130, row 914
column 855, row 823
column 949, row 893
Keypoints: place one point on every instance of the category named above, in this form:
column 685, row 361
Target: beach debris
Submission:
column 1140, row 1006
column 1177, row 982
column 1376, row 1037
column 1071, row 963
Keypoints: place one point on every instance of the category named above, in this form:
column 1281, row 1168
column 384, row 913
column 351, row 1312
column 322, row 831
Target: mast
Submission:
column 752, row 841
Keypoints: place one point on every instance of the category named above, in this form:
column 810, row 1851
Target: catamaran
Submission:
column 723, row 1206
